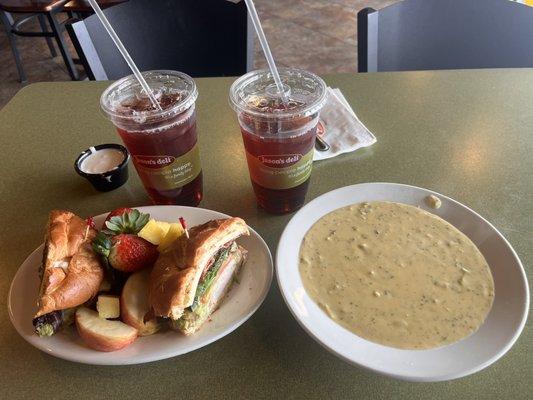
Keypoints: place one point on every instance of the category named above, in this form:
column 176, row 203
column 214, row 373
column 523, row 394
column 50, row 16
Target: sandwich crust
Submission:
column 176, row 273
column 71, row 271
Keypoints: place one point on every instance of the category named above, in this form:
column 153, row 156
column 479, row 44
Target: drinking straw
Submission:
column 266, row 48
column 124, row 52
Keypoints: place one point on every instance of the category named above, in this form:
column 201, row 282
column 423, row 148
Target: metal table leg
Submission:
column 7, row 21
column 61, row 43
column 49, row 41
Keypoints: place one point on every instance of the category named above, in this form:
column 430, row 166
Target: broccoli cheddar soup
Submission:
column 396, row 275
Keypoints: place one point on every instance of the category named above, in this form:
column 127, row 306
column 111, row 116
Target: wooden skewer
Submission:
column 184, row 226
column 90, row 224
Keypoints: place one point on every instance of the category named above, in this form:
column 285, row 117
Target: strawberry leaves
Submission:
column 129, row 222
column 102, row 244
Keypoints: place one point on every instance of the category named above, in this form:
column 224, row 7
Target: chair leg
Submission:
column 49, row 41
column 12, row 42
column 81, row 55
column 61, row 43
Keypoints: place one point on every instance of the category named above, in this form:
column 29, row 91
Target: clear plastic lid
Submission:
column 256, row 94
column 126, row 105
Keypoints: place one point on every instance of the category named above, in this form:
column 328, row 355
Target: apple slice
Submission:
column 102, row 334
column 134, row 304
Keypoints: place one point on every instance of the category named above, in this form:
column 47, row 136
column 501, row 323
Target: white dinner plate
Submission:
column 240, row 303
column 494, row 338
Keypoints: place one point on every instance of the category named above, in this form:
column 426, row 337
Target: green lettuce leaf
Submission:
column 209, row 278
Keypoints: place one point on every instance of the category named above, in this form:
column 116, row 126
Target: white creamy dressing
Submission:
column 396, row 275
column 100, row 161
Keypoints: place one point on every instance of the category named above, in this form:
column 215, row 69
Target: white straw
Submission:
column 266, row 49
column 124, row 52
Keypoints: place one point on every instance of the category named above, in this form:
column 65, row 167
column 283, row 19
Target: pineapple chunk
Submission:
column 175, row 231
column 165, row 226
column 108, row 306
column 154, row 231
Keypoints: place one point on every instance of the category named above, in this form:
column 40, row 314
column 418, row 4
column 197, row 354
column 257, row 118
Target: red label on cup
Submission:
column 154, row 161
column 281, row 171
column 280, row 160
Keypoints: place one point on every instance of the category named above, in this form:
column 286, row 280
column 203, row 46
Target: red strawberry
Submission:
column 130, row 253
column 118, row 212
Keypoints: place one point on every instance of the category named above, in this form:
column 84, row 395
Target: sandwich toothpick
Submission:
column 184, row 226
column 90, row 224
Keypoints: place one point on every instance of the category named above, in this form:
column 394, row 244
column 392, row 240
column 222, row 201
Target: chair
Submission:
column 445, row 34
column 82, row 8
column 36, row 9
column 201, row 38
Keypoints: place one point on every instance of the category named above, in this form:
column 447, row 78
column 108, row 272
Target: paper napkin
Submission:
column 342, row 130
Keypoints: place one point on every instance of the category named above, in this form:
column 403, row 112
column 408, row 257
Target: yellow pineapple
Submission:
column 165, row 226
column 153, row 231
column 175, row 231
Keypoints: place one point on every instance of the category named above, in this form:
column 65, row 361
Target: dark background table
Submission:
column 466, row 134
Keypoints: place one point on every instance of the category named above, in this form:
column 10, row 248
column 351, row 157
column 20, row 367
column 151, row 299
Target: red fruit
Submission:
column 130, row 253
column 118, row 212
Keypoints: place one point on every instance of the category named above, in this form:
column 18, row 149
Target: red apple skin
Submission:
column 134, row 304
column 97, row 339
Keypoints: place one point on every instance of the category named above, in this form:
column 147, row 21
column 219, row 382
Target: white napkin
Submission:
column 344, row 132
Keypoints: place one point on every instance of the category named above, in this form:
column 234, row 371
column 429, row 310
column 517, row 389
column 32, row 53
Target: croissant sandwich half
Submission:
column 71, row 272
column 189, row 281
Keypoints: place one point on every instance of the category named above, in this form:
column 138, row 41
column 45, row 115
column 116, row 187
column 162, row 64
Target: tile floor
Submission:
column 317, row 35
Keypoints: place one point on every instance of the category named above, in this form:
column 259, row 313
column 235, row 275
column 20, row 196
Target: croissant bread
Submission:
column 71, row 272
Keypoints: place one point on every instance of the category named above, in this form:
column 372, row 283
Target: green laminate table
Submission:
column 466, row 134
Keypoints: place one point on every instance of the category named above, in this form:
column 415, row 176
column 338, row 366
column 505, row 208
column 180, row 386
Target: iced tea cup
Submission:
column 163, row 143
column 279, row 136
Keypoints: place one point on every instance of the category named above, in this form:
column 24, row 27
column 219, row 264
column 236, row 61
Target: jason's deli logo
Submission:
column 280, row 161
column 154, row 161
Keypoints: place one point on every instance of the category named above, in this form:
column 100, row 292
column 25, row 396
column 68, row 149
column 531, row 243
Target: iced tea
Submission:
column 163, row 144
column 279, row 136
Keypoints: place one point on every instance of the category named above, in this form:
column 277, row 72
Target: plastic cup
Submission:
column 162, row 143
column 279, row 138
